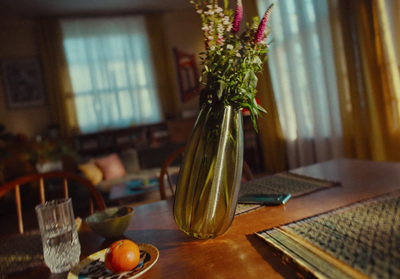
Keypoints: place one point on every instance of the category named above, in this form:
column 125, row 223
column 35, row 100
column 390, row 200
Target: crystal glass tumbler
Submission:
column 61, row 247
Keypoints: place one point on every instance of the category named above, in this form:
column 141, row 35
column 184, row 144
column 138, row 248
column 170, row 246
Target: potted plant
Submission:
column 13, row 156
column 49, row 155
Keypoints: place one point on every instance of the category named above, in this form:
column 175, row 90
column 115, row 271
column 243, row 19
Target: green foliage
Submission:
column 52, row 151
column 231, row 61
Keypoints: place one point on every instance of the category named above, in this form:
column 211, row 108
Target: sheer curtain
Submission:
column 303, row 75
column 111, row 72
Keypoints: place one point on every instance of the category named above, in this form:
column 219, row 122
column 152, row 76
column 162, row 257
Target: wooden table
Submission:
column 239, row 253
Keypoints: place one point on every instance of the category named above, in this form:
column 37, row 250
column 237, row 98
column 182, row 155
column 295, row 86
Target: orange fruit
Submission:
column 122, row 255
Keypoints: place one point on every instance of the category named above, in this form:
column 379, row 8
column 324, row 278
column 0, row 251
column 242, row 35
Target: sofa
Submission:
column 108, row 170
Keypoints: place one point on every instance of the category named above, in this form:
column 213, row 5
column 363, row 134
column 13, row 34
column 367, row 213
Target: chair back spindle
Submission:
column 19, row 208
column 40, row 177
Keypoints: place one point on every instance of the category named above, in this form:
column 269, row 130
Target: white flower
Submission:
column 226, row 21
column 219, row 10
column 229, row 46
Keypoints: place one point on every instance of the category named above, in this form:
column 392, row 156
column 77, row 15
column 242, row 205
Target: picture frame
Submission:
column 23, row 83
column 187, row 74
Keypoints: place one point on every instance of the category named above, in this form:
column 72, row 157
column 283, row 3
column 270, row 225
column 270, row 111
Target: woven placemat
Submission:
column 281, row 183
column 19, row 253
column 362, row 239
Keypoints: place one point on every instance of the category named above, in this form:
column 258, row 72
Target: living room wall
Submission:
column 183, row 31
column 18, row 41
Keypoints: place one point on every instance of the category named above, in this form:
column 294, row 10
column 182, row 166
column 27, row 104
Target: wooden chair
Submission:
column 40, row 178
column 178, row 154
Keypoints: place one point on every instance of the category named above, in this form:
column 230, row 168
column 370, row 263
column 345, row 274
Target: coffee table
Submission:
column 137, row 190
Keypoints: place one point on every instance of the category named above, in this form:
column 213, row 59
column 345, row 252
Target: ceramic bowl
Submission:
column 111, row 222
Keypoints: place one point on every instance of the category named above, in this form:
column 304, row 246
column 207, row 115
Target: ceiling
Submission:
column 88, row 7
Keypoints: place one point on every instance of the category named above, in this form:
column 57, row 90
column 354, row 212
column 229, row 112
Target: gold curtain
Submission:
column 271, row 135
column 162, row 63
column 59, row 89
column 368, row 80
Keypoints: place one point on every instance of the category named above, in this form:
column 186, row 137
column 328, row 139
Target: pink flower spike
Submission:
column 238, row 16
column 263, row 24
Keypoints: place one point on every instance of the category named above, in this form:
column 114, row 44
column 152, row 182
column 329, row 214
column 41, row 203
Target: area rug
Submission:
column 281, row 183
column 356, row 241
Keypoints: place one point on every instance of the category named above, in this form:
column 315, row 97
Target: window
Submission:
column 303, row 75
column 111, row 72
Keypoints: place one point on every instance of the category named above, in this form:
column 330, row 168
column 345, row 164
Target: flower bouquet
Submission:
column 231, row 60
column 211, row 171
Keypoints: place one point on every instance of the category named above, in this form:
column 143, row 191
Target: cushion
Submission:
column 111, row 166
column 130, row 160
column 91, row 171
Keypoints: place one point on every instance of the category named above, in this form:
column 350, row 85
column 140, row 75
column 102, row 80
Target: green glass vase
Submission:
column 210, row 174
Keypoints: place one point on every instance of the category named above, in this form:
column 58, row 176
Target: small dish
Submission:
column 111, row 222
column 93, row 266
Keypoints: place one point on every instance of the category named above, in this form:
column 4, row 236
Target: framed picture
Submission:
column 187, row 74
column 23, row 83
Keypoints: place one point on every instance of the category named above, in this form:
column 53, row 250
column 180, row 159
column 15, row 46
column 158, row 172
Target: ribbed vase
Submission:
column 211, row 172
